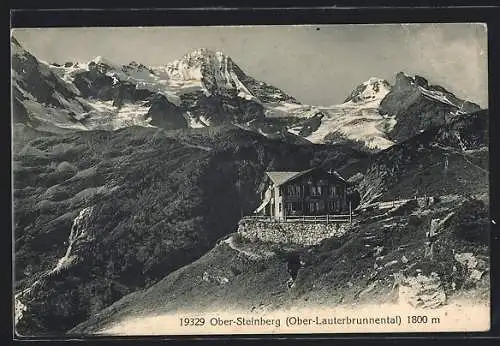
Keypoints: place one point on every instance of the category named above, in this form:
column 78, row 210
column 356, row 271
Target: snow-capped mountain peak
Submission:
column 202, row 52
column 100, row 59
column 374, row 89
column 193, row 65
column 213, row 71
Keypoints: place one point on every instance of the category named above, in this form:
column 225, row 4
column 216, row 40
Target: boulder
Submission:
column 475, row 267
column 66, row 167
column 422, row 291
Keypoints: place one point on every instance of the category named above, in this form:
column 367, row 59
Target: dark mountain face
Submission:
column 418, row 106
column 129, row 93
column 96, row 84
column 39, row 82
column 220, row 109
column 35, row 82
column 165, row 115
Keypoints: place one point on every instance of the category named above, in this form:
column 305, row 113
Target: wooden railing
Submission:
column 389, row 204
column 303, row 218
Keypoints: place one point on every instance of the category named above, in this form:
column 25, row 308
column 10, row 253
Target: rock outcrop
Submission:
column 418, row 106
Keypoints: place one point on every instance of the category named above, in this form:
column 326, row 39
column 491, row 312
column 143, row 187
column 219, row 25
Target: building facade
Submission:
column 311, row 192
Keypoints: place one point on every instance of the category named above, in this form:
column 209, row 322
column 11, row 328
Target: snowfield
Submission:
column 107, row 116
column 363, row 124
column 359, row 121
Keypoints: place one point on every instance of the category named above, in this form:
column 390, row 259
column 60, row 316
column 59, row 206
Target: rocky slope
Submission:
column 144, row 193
column 379, row 260
column 99, row 214
column 447, row 159
column 40, row 98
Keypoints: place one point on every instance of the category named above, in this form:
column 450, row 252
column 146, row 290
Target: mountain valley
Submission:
column 130, row 184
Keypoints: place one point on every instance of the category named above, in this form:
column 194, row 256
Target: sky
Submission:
column 318, row 65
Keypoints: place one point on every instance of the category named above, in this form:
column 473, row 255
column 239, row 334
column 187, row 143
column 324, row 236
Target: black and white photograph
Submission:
column 265, row 179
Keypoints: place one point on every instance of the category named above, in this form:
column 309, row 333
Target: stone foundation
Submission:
column 296, row 232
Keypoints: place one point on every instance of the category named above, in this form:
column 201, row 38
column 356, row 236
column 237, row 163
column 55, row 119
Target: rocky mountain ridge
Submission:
column 418, row 106
column 206, row 88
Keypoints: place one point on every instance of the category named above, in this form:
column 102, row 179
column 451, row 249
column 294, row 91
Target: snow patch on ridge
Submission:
column 441, row 97
column 193, row 122
column 77, row 233
column 108, row 117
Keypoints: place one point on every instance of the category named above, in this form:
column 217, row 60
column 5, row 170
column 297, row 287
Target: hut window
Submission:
column 321, row 206
column 312, row 206
column 331, row 206
column 315, row 190
column 315, row 207
column 333, row 190
column 294, row 190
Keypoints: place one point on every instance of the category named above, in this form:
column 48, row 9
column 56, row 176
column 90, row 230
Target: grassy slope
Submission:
column 130, row 242
column 336, row 272
column 161, row 199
